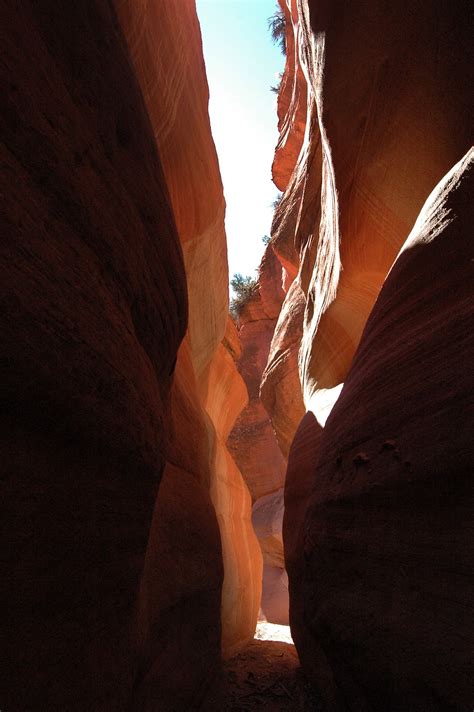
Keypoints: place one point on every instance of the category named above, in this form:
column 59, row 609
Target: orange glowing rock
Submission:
column 177, row 106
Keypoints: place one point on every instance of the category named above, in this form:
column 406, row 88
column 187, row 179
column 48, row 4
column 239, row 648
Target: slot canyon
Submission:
column 171, row 476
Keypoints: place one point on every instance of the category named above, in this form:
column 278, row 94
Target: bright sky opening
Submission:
column 242, row 63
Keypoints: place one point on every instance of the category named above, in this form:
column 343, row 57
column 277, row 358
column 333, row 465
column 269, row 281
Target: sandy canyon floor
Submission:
column 266, row 675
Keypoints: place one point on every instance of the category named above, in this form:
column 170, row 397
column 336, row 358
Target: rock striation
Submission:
column 182, row 133
column 379, row 134
column 379, row 568
column 131, row 563
column 252, row 440
column 94, row 307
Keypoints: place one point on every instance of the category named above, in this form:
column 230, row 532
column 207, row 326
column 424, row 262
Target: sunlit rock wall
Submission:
column 252, row 440
column 207, row 373
column 112, row 597
column 388, row 113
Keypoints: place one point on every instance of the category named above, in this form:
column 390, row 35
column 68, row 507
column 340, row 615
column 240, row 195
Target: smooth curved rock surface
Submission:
column 280, row 388
column 274, row 605
column 182, row 581
column 252, row 440
column 267, row 520
column 292, row 104
column 388, row 135
column 388, row 529
column 93, row 310
column 380, row 131
column 299, row 483
column 389, row 112
column 109, row 190
column 180, row 120
column 233, row 505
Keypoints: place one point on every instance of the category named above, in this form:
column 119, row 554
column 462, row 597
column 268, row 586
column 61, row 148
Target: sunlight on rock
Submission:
column 271, row 631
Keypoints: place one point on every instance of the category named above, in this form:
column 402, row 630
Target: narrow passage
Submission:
column 266, row 675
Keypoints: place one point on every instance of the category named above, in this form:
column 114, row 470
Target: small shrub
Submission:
column 243, row 288
column 277, row 201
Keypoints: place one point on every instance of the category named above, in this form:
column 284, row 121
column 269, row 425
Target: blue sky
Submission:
column 242, row 63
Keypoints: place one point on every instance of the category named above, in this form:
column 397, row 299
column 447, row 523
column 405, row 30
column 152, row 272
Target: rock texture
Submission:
column 280, row 388
column 267, row 519
column 182, row 132
column 379, row 134
column 113, row 250
column 388, row 528
column 93, row 310
column 375, row 108
column 298, row 487
column 252, row 440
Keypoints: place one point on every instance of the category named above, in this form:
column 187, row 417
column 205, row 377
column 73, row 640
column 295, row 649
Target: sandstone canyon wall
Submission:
column 379, row 571
column 375, row 108
column 252, row 440
column 130, row 563
column 114, row 370
column 174, row 87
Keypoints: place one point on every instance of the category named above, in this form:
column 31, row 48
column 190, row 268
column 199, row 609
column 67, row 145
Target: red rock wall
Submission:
column 208, row 392
column 115, row 243
column 93, row 311
column 388, row 136
column 381, row 591
column 375, row 108
column 351, row 197
column 252, row 440
column 380, row 133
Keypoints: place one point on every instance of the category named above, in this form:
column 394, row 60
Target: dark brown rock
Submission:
column 383, row 581
column 93, row 310
column 182, row 582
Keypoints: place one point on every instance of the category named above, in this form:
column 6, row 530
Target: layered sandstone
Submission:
column 115, row 251
column 182, row 132
column 280, row 388
column 353, row 191
column 267, row 520
column 252, row 440
column 389, row 112
column 93, row 311
column 379, row 136
column 387, row 527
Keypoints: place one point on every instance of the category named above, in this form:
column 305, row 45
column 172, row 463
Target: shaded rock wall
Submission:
column 387, row 533
column 267, row 519
column 111, row 596
column 388, row 113
column 93, row 311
